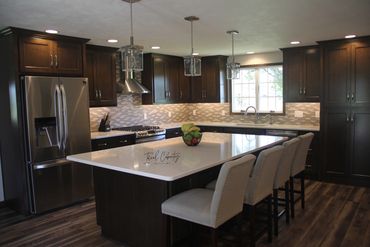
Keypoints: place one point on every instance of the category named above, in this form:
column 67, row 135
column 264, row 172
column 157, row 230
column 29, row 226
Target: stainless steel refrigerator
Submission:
column 57, row 124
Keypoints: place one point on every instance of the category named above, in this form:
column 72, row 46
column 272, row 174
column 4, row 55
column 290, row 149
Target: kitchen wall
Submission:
column 130, row 111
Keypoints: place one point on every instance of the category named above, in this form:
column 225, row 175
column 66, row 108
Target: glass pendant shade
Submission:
column 132, row 58
column 192, row 66
column 233, row 71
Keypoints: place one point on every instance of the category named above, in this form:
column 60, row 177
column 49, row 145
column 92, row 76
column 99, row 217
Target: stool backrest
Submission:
column 299, row 162
column 261, row 182
column 230, row 187
column 285, row 164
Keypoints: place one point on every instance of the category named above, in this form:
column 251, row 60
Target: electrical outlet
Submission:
column 145, row 116
column 194, row 112
column 169, row 114
column 223, row 113
column 317, row 114
column 298, row 114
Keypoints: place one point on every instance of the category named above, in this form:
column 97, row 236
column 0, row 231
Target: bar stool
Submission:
column 297, row 169
column 213, row 208
column 260, row 186
column 282, row 180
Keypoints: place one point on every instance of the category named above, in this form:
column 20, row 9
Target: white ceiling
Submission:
column 264, row 25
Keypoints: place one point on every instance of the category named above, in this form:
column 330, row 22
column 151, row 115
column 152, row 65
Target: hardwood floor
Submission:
column 335, row 215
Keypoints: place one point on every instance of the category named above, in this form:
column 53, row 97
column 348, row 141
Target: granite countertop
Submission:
column 249, row 125
column 171, row 159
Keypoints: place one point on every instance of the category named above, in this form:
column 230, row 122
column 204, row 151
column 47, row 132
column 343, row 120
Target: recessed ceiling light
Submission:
column 250, row 52
column 51, row 31
column 195, row 54
column 156, row 47
column 112, row 40
column 350, row 36
column 295, row 42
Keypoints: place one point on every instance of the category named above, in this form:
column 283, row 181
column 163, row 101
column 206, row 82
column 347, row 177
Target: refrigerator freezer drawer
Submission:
column 60, row 183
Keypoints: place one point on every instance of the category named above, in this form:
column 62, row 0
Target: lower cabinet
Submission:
column 172, row 133
column 112, row 142
column 249, row 131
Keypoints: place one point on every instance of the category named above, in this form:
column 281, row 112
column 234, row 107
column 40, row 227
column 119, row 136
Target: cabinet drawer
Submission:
column 171, row 133
column 112, row 142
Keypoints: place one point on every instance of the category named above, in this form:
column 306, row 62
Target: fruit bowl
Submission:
column 191, row 140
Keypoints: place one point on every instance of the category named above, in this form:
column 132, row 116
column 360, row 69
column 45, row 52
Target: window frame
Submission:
column 260, row 113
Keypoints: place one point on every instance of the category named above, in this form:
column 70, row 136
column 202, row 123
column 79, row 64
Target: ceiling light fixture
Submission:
column 52, row 31
column 131, row 62
column 192, row 63
column 112, row 40
column 350, row 36
column 250, row 52
column 232, row 69
column 156, row 47
column 295, row 42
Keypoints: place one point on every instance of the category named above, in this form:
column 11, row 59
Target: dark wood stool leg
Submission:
column 252, row 226
column 291, row 188
column 214, row 237
column 276, row 211
column 269, row 218
column 302, row 191
column 287, row 208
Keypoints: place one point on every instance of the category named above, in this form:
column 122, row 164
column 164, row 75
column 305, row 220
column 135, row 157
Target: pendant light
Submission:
column 192, row 63
column 131, row 62
column 233, row 69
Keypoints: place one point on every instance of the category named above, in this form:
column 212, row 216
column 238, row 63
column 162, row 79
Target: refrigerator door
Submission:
column 75, row 97
column 44, row 118
column 58, row 183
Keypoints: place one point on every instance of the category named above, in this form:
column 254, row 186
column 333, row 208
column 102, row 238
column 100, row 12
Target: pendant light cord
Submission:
column 232, row 46
column 192, row 49
column 132, row 25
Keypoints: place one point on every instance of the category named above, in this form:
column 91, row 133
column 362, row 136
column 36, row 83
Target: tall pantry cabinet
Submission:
column 345, row 121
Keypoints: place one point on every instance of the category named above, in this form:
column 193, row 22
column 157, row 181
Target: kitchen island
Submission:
column 131, row 182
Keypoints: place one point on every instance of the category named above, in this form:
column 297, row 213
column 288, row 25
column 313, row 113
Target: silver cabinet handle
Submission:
column 96, row 94
column 352, row 117
column 347, row 96
column 304, row 90
column 352, row 96
column 169, row 93
column 347, row 117
column 56, row 60
column 123, row 141
column 51, row 60
column 102, row 144
column 180, row 94
column 300, row 91
column 99, row 93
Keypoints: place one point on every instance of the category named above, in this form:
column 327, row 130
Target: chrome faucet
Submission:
column 255, row 112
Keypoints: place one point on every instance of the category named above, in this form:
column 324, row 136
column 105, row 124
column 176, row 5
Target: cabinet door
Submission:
column 293, row 75
column 90, row 72
column 336, row 145
column 337, row 75
column 36, row 55
column 197, row 91
column 360, row 90
column 172, row 79
column 68, row 58
column 210, row 80
column 184, row 83
column 360, row 167
column 159, row 80
column 311, row 87
column 105, row 78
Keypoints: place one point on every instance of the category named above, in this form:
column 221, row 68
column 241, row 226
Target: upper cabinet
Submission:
column 45, row 54
column 211, row 87
column 101, row 72
column 164, row 76
column 301, row 74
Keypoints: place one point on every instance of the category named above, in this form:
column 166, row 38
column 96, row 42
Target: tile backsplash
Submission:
column 129, row 111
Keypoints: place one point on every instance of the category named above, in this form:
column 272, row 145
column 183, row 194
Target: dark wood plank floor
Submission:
column 335, row 215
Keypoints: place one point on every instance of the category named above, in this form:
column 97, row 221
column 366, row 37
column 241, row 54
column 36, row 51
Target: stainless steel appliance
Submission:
column 146, row 133
column 56, row 113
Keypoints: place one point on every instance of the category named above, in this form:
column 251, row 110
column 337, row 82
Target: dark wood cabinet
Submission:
column 211, row 86
column 302, row 74
column 101, row 72
column 163, row 76
column 45, row 54
column 346, row 110
column 112, row 142
column 172, row 133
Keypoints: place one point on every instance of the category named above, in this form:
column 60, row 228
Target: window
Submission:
column 258, row 86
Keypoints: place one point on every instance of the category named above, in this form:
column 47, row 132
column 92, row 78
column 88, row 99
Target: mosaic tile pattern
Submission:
column 130, row 111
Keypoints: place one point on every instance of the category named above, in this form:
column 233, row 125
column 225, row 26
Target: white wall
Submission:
column 260, row 58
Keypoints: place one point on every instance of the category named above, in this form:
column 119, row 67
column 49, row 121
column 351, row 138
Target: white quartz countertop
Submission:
column 171, row 159
column 112, row 133
column 249, row 125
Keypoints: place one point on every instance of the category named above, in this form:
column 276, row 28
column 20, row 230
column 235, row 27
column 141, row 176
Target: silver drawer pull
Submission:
column 102, row 144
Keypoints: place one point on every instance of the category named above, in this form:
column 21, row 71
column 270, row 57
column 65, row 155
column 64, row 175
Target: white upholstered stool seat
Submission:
column 212, row 208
